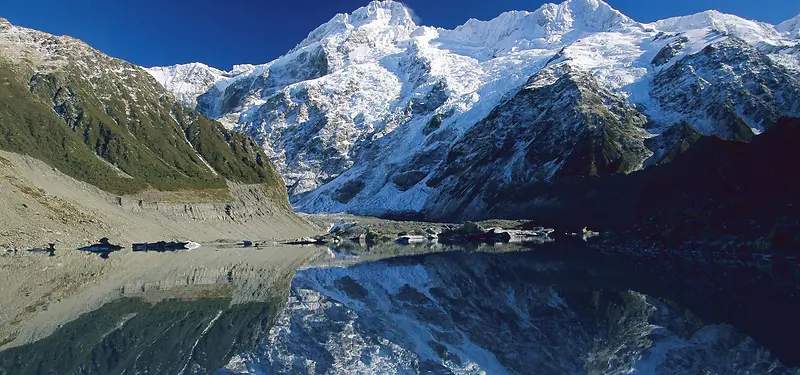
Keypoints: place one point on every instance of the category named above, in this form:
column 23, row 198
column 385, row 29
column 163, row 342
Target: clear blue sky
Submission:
column 226, row 32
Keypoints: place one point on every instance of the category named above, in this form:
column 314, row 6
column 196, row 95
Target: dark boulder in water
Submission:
column 50, row 250
column 102, row 247
column 162, row 246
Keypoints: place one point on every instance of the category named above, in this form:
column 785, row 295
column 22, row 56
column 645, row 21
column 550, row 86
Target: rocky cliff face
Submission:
column 563, row 123
column 728, row 89
column 371, row 111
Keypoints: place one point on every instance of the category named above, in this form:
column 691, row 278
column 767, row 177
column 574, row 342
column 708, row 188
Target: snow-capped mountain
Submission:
column 790, row 27
column 753, row 32
column 372, row 113
column 187, row 81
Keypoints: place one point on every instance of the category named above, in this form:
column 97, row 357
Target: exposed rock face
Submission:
column 562, row 123
column 669, row 51
column 728, row 89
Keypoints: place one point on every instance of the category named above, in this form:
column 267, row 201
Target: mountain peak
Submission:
column 187, row 81
column 707, row 18
column 590, row 5
column 751, row 31
column 790, row 27
column 392, row 12
column 550, row 25
column 596, row 14
column 382, row 12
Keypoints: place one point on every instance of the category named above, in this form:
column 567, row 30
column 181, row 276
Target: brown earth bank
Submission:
column 40, row 205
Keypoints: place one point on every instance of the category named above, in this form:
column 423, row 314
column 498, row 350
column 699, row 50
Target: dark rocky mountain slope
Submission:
column 716, row 187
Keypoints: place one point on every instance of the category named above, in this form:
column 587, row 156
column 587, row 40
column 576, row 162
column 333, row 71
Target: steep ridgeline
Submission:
column 562, row 123
column 109, row 123
column 374, row 114
column 790, row 27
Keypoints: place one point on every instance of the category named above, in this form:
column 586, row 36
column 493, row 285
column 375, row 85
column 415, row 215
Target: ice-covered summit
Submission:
column 187, row 81
column 751, row 31
column 549, row 26
column 381, row 15
column 790, row 27
column 386, row 11
column 593, row 15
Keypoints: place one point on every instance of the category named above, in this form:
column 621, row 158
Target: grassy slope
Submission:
column 108, row 123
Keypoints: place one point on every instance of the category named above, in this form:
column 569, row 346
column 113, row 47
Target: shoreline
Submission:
column 43, row 292
column 42, row 205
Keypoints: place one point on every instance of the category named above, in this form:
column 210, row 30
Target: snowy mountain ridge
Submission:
column 188, row 81
column 751, row 31
column 363, row 113
column 790, row 27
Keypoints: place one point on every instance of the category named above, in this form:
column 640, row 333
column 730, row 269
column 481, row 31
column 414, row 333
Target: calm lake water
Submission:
column 551, row 309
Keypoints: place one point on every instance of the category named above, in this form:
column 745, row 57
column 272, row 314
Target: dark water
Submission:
column 757, row 298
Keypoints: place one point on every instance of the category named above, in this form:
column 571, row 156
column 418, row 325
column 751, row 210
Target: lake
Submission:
column 549, row 309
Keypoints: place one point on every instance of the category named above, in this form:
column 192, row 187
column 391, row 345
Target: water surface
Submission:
column 549, row 309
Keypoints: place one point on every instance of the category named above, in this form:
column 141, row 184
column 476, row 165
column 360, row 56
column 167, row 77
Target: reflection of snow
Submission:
column 337, row 254
column 451, row 315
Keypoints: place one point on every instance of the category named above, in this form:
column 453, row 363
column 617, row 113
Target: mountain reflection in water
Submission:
column 554, row 309
column 133, row 336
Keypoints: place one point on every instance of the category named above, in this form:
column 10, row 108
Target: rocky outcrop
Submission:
column 672, row 49
column 729, row 89
column 563, row 123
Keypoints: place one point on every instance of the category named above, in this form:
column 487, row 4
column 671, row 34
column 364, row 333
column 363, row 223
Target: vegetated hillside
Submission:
column 715, row 188
column 109, row 123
